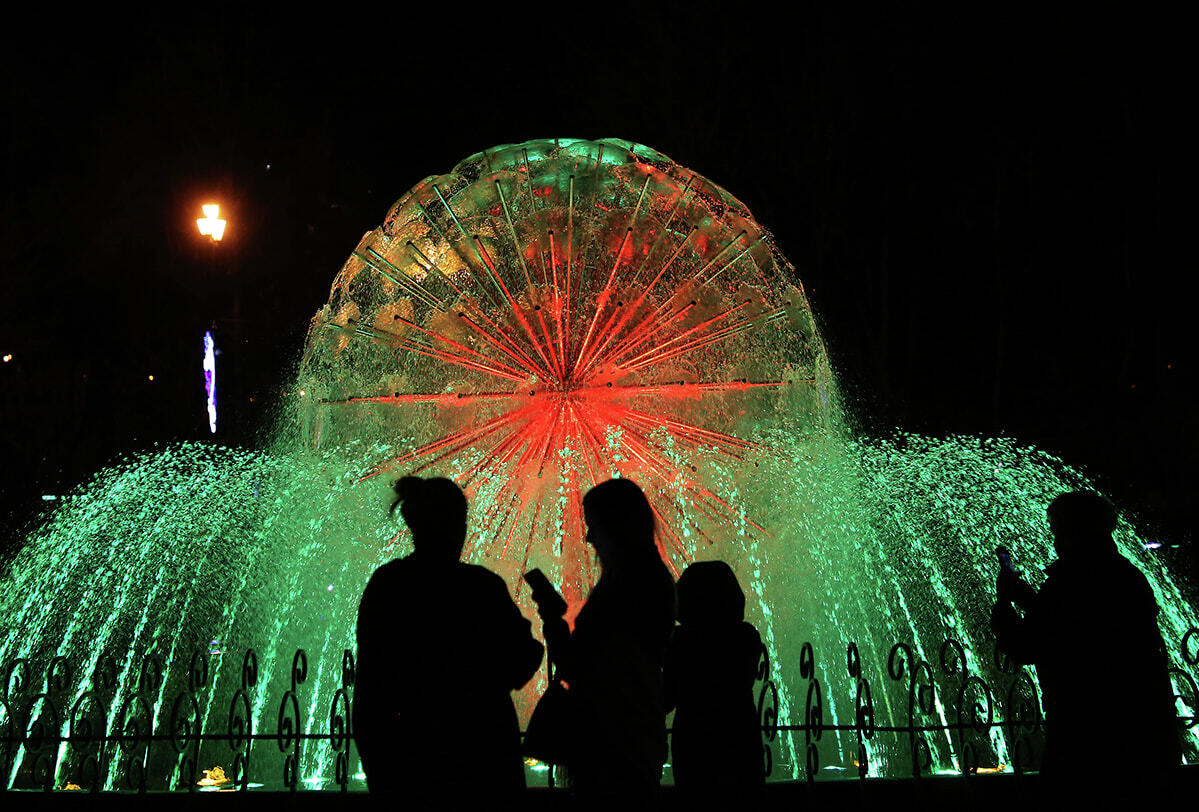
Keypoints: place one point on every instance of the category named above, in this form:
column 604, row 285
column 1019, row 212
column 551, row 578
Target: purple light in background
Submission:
column 210, row 379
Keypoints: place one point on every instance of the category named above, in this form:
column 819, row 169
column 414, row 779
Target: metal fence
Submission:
column 57, row 732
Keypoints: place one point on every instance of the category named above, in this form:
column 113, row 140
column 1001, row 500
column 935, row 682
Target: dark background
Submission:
column 992, row 213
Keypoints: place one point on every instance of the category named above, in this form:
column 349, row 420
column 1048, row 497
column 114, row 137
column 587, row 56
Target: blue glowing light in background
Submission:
column 210, row 379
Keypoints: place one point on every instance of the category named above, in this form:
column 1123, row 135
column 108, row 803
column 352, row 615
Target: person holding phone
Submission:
column 612, row 660
column 1091, row 631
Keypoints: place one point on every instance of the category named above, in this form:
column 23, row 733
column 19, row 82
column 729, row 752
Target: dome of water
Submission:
column 555, row 313
column 543, row 317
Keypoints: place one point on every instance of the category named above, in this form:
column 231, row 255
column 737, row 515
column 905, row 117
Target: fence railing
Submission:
column 119, row 729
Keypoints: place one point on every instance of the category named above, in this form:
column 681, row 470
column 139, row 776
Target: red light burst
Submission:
column 555, row 313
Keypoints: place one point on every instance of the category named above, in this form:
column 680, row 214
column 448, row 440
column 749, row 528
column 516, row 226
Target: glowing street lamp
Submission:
column 210, row 224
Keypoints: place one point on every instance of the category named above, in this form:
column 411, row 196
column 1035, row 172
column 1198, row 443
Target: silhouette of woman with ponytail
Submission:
column 440, row 647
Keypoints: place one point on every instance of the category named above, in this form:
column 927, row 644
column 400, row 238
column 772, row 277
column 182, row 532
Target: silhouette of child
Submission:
column 708, row 677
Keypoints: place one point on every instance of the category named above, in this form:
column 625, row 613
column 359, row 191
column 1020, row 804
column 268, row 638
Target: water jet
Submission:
column 542, row 317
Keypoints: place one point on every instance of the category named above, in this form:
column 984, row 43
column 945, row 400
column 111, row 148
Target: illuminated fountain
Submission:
column 553, row 314
column 546, row 316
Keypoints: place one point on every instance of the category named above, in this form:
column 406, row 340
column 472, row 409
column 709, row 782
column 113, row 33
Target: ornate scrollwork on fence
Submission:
column 16, row 677
column 133, row 725
column 12, row 725
column 116, row 724
column 185, row 722
column 1187, row 691
column 1022, row 710
column 768, row 710
column 241, row 720
column 974, row 706
column 813, row 711
column 341, row 722
column 290, row 723
column 863, row 703
column 8, row 741
column 45, row 720
column 921, row 696
column 88, row 725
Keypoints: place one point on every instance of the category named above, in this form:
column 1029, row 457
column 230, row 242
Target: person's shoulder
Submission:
column 395, row 568
column 479, row 577
column 683, row 638
column 1118, row 571
column 1127, row 569
column 657, row 591
column 658, row 581
column 467, row 570
column 1133, row 579
column 390, row 584
column 749, row 634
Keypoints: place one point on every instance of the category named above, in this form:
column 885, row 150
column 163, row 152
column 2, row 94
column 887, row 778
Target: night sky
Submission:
column 992, row 215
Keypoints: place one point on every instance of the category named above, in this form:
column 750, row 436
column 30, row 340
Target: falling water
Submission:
column 202, row 547
column 502, row 328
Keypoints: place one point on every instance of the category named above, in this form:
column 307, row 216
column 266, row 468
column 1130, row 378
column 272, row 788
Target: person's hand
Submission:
column 1007, row 585
column 1011, row 588
column 550, row 604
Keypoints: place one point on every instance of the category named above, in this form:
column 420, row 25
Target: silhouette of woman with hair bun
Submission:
column 612, row 660
column 440, row 647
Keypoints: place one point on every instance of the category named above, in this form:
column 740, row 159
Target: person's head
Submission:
column 620, row 524
column 709, row 595
column 435, row 512
column 1082, row 523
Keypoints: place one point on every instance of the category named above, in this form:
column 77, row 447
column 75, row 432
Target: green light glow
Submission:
column 835, row 537
column 875, row 542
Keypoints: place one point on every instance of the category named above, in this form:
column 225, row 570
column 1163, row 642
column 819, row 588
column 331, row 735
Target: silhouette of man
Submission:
column 440, row 646
column 1091, row 630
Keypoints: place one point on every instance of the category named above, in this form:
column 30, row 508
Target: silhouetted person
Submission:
column 1091, row 630
column 612, row 660
column 711, row 664
column 440, row 646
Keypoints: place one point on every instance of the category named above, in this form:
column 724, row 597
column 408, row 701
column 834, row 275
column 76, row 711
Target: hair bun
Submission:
column 407, row 487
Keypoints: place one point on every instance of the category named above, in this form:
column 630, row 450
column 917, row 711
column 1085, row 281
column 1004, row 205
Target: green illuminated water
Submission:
column 505, row 311
column 875, row 542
